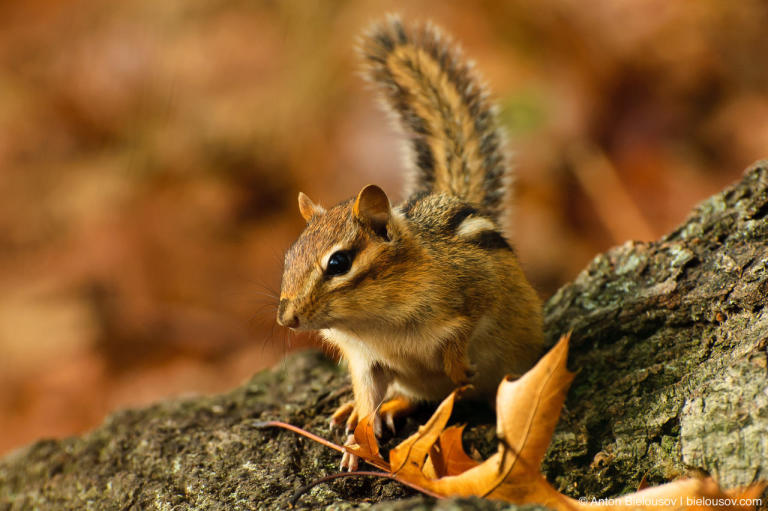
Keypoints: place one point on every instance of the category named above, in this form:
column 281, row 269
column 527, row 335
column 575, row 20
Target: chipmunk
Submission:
column 428, row 295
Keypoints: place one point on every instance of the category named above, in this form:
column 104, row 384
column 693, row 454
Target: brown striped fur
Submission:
column 433, row 296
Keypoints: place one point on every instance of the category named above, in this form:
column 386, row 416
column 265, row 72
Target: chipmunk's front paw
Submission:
column 349, row 461
column 345, row 414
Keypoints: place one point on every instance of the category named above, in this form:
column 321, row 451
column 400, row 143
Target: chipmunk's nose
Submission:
column 286, row 314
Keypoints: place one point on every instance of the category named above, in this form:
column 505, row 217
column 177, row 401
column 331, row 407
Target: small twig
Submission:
column 304, row 489
column 296, row 429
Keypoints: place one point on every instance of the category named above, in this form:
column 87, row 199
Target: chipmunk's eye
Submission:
column 339, row 263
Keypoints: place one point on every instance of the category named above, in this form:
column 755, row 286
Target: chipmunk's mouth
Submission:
column 298, row 319
column 287, row 315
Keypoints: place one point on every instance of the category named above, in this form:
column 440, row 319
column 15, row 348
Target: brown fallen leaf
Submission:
column 447, row 457
column 696, row 494
column 433, row 459
column 412, row 452
column 528, row 410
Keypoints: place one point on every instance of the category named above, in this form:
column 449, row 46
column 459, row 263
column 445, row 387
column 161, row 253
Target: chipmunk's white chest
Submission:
column 393, row 349
column 352, row 347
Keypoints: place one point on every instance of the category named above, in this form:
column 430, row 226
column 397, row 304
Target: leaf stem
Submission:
column 296, row 429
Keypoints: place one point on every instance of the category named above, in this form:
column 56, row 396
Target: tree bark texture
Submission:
column 669, row 341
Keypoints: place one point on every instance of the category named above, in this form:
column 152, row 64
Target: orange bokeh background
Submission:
column 151, row 154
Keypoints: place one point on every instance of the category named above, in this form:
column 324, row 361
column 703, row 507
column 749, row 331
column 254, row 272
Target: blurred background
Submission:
column 151, row 154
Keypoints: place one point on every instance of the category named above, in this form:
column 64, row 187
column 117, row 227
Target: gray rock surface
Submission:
column 669, row 339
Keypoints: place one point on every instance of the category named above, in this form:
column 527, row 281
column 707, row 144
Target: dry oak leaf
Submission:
column 527, row 411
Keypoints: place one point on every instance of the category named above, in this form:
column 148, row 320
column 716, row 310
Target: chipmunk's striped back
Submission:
column 444, row 110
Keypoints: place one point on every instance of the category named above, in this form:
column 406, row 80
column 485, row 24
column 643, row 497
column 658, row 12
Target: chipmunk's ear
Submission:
column 308, row 208
column 372, row 207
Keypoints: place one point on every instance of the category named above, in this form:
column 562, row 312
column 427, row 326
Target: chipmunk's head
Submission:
column 333, row 269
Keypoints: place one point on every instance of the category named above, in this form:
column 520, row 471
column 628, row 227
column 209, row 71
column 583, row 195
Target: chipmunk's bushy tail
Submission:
column 444, row 110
